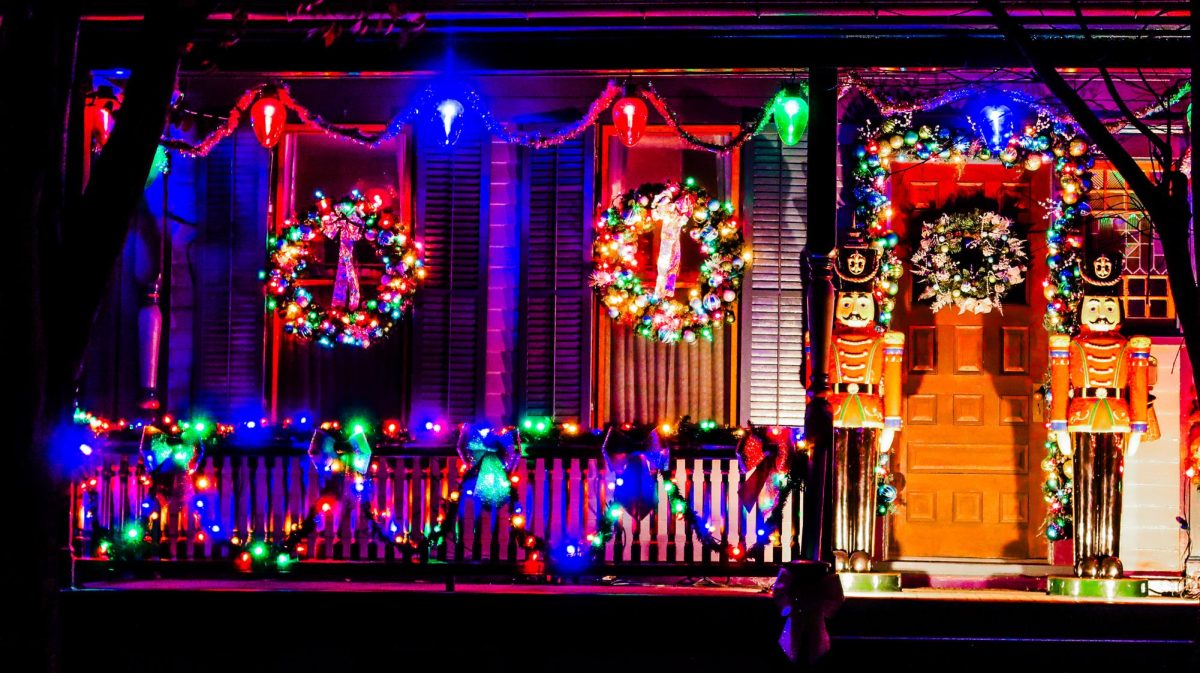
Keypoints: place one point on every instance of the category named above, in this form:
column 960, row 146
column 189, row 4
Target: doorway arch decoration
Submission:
column 1044, row 141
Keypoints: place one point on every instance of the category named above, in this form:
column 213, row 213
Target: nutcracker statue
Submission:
column 864, row 399
column 1099, row 390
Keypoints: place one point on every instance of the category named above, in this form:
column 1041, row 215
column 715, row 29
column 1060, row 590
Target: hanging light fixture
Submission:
column 791, row 114
column 997, row 124
column 268, row 117
column 450, row 113
column 99, row 108
column 629, row 116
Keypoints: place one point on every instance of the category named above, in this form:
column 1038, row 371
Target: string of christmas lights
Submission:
column 342, row 455
column 889, row 106
column 448, row 105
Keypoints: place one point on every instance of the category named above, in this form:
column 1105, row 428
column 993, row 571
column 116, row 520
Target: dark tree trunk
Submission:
column 63, row 250
column 1165, row 202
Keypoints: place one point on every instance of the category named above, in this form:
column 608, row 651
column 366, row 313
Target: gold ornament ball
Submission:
column 1077, row 148
column 860, row 562
column 1111, row 568
column 896, row 141
column 1088, row 567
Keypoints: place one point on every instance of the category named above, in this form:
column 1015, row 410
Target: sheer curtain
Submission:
column 651, row 382
column 641, row 380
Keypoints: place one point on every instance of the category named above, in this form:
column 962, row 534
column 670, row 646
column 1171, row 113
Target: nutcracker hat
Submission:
column 855, row 264
column 1101, row 267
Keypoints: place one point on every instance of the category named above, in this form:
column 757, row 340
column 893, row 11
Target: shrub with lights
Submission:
column 350, row 318
column 673, row 210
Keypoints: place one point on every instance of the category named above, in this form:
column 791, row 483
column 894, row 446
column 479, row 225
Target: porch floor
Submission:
column 309, row 625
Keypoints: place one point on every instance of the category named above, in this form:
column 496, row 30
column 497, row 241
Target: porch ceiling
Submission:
column 588, row 36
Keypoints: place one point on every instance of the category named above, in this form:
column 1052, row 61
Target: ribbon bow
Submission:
column 335, row 461
column 807, row 594
column 672, row 218
column 635, row 467
column 168, row 459
column 490, row 457
column 765, row 457
column 347, row 227
column 164, row 453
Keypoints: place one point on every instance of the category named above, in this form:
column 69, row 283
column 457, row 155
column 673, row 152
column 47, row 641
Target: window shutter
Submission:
column 555, row 294
column 776, row 316
column 448, row 317
column 227, row 256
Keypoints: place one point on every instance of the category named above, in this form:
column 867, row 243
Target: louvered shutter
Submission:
column 776, row 312
column 227, row 255
column 555, row 294
column 448, row 327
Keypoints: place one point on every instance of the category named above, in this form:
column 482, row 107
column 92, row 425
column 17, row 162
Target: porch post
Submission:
column 822, row 235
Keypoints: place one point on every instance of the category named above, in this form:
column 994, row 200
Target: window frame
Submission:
column 281, row 186
column 601, row 343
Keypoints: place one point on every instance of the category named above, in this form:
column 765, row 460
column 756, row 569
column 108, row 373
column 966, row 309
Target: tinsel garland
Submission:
column 748, row 130
column 427, row 100
column 889, row 106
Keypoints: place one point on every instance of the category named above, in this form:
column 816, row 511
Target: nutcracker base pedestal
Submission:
column 1095, row 587
column 870, row 582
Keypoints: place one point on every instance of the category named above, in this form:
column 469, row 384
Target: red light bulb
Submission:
column 629, row 116
column 268, row 117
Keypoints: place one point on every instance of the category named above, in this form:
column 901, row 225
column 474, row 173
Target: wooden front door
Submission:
column 972, row 442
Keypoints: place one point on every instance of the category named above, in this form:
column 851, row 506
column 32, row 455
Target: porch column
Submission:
column 822, row 236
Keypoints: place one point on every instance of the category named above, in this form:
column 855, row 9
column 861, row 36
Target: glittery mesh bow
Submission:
column 346, row 226
column 352, row 458
column 169, row 460
column 490, row 456
column 672, row 217
column 164, row 453
column 765, row 455
column 634, row 467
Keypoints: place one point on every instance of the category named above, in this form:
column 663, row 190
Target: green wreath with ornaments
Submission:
column 674, row 209
column 352, row 317
column 969, row 260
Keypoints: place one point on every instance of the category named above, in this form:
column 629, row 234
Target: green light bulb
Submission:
column 791, row 115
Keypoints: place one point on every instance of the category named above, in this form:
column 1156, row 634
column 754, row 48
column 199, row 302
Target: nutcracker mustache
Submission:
column 857, row 316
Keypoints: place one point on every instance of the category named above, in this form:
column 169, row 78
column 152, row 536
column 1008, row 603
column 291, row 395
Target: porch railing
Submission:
column 260, row 494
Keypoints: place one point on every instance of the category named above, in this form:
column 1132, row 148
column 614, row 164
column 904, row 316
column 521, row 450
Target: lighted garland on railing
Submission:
column 342, row 455
column 172, row 455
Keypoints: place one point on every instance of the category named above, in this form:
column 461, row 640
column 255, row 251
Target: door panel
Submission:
column 971, row 446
